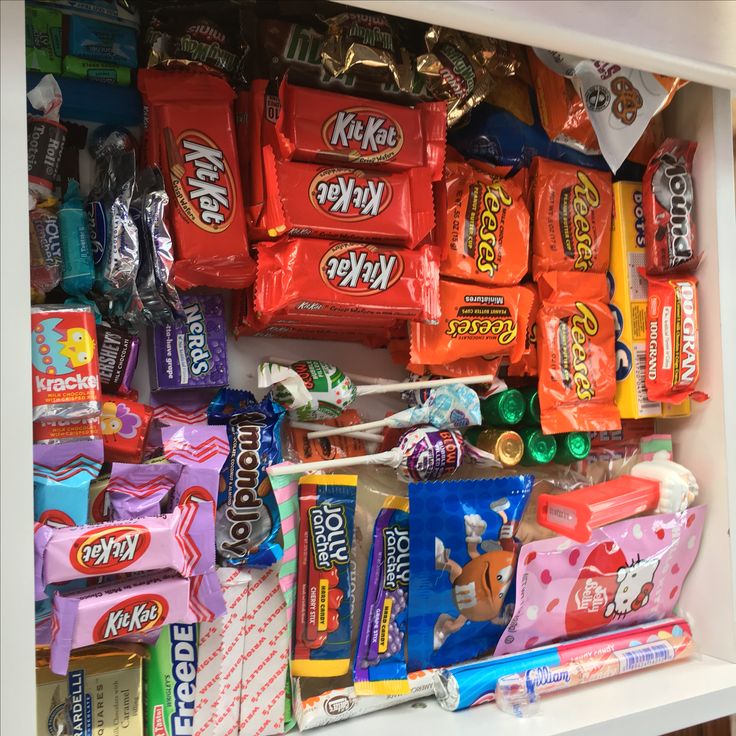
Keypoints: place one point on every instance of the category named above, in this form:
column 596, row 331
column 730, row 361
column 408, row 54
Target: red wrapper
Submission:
column 125, row 426
column 191, row 135
column 324, row 127
column 673, row 363
column 333, row 278
column 668, row 198
column 335, row 203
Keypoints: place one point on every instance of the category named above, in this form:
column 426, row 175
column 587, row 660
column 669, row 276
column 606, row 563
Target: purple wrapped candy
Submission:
column 429, row 453
column 192, row 353
column 380, row 665
column 135, row 491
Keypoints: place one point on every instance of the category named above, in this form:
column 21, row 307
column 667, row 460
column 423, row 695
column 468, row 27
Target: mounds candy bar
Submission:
column 324, row 586
column 486, row 227
column 248, row 522
column 170, row 674
column 380, row 665
column 61, row 478
column 340, row 279
column 326, row 448
column 101, row 694
column 476, row 321
column 134, row 491
column 125, row 426
column 182, row 540
column 135, row 606
column 576, row 354
column 318, row 126
column 572, row 218
column 191, row 120
column 366, row 44
column 673, row 361
column 66, row 382
column 527, row 364
column 668, row 200
column 336, row 202
column 191, row 353
column 117, row 355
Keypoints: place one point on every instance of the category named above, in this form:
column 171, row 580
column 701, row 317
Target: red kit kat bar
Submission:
column 310, row 200
column 191, row 135
column 325, row 127
column 339, row 279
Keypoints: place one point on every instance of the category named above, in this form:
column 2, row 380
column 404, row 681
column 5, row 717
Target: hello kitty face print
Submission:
column 628, row 573
column 635, row 583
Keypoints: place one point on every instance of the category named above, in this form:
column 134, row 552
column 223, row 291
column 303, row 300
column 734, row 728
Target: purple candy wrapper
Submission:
column 117, row 352
column 41, row 536
column 380, row 663
column 196, row 483
column 191, row 353
column 140, row 490
column 134, row 607
column 200, row 445
column 175, row 408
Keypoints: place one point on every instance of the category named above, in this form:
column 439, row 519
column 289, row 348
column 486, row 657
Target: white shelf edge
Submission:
column 646, row 35
column 656, row 701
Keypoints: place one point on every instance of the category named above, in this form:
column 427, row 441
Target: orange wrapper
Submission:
column 398, row 347
column 327, row 448
column 572, row 218
column 576, row 354
column 486, row 229
column 476, row 321
column 527, row 366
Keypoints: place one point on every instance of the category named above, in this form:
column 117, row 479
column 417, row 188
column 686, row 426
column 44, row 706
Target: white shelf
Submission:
column 655, row 702
column 690, row 40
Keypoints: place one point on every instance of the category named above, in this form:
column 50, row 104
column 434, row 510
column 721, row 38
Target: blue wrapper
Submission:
column 93, row 39
column 463, row 558
column 380, row 662
column 497, row 136
column 248, row 525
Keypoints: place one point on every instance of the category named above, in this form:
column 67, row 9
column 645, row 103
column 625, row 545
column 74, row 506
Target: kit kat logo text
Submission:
column 349, row 194
column 576, row 206
column 109, row 550
column 328, row 526
column 573, row 337
column 363, row 135
column 360, row 270
column 132, row 616
column 202, row 181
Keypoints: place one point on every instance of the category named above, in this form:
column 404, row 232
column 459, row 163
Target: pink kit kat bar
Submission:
column 134, row 607
column 183, row 540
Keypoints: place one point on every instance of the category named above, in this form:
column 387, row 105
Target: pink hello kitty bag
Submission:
column 628, row 573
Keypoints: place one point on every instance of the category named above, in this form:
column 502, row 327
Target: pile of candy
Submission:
column 445, row 196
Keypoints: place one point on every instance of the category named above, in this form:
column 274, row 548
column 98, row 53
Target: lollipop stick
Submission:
column 412, row 385
column 347, row 431
column 370, row 380
column 334, row 431
column 391, row 457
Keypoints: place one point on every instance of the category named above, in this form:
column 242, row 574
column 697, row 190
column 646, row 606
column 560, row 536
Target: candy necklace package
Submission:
column 462, row 563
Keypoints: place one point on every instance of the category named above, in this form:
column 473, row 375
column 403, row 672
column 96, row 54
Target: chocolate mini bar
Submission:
column 182, row 540
column 324, row 127
column 333, row 278
column 117, row 353
column 134, row 607
column 191, row 136
column 336, row 202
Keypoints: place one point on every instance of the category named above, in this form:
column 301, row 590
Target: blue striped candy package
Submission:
column 380, row 659
column 462, row 554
